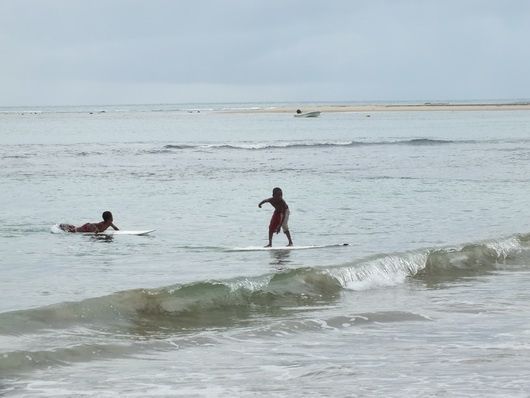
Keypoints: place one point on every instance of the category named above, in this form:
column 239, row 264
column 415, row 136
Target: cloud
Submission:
column 73, row 52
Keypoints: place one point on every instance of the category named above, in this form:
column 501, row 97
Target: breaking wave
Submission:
column 308, row 144
column 138, row 320
column 223, row 301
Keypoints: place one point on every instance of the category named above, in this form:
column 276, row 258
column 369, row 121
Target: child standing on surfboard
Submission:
column 280, row 217
column 92, row 227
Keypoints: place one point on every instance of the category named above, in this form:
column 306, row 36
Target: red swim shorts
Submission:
column 276, row 221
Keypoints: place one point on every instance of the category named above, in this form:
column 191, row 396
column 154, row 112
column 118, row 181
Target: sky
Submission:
column 70, row 52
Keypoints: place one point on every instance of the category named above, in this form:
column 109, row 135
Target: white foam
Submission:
column 385, row 271
column 506, row 247
column 54, row 229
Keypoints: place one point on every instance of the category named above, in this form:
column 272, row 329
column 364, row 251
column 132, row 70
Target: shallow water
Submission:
column 428, row 298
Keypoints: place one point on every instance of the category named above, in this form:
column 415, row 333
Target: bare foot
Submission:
column 269, row 245
column 290, row 244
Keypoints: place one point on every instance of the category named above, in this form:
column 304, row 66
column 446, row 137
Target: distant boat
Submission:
column 299, row 113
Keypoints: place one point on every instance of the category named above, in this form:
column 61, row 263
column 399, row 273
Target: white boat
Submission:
column 307, row 114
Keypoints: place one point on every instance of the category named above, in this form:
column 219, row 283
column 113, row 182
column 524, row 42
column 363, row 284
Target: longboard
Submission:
column 260, row 248
column 121, row 232
column 56, row 230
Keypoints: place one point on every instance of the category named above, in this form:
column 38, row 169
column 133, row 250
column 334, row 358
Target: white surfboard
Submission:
column 56, row 230
column 261, row 248
column 122, row 232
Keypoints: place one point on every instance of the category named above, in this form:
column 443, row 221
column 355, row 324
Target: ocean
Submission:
column 429, row 298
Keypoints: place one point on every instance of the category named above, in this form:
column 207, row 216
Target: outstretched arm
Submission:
column 115, row 227
column 264, row 201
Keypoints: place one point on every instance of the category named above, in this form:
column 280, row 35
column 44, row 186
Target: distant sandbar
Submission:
column 428, row 106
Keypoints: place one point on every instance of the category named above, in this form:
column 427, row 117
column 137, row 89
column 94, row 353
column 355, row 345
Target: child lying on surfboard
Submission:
column 92, row 227
column 280, row 217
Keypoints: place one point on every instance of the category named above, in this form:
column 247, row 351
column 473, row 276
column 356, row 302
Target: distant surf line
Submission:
column 249, row 146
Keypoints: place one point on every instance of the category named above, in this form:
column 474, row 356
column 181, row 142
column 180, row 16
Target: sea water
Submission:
column 430, row 297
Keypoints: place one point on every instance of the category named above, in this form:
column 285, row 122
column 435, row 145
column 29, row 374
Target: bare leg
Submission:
column 67, row 227
column 288, row 234
column 270, row 238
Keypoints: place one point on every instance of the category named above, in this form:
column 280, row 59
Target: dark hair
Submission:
column 276, row 190
column 107, row 215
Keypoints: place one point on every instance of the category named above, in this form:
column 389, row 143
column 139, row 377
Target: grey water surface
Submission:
column 430, row 297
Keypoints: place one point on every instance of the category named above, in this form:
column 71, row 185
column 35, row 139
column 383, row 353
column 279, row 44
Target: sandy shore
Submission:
column 394, row 107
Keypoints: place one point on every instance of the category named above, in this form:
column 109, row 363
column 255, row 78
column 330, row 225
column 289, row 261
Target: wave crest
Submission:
column 224, row 302
column 249, row 146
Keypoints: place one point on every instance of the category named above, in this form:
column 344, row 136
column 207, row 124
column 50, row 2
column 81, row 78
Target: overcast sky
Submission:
column 69, row 52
